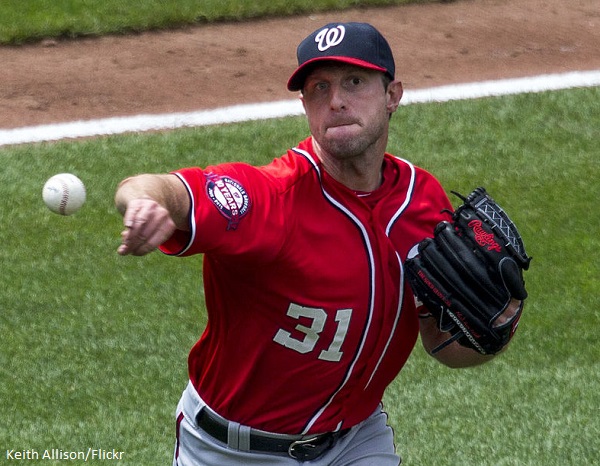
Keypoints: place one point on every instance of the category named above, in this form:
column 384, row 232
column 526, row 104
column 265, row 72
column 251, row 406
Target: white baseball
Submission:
column 64, row 193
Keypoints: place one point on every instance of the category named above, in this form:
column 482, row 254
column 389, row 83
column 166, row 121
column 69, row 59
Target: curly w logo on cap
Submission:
column 330, row 37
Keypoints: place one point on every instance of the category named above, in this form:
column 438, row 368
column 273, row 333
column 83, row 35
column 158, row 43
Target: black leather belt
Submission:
column 303, row 449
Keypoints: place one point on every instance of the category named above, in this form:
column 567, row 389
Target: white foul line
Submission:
column 261, row 111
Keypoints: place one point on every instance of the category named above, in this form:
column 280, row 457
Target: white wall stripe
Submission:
column 261, row 111
column 542, row 83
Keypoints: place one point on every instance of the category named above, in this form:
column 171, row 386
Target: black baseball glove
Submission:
column 468, row 272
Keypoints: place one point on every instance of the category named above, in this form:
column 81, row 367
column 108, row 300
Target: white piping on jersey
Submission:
column 396, row 320
column 387, row 233
column 409, row 193
column 365, row 235
column 192, row 216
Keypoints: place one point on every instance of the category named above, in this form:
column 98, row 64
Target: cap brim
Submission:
column 296, row 81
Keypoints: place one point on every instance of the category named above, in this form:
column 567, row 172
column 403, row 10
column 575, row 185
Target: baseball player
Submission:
column 310, row 316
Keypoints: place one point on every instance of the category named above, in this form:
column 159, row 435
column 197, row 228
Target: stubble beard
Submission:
column 345, row 148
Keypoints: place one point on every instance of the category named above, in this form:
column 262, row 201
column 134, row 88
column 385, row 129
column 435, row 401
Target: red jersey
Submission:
column 309, row 313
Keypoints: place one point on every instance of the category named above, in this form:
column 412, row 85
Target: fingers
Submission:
column 512, row 310
column 147, row 226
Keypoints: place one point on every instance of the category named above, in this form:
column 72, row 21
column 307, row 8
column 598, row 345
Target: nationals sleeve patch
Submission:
column 229, row 197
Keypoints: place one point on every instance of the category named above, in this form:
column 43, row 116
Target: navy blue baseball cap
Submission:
column 358, row 44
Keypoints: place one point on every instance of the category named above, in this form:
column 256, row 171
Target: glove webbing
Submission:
column 480, row 200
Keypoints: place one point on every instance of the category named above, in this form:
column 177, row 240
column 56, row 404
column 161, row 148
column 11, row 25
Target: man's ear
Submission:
column 394, row 92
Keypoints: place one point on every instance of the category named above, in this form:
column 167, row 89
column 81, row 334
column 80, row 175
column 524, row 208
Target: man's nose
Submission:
column 337, row 99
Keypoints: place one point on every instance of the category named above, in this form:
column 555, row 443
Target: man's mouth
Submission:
column 341, row 124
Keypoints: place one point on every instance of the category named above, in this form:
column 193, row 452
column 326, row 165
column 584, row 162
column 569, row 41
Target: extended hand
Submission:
column 147, row 225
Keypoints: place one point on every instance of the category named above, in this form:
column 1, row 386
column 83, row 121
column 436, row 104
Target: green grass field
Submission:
column 94, row 345
column 31, row 20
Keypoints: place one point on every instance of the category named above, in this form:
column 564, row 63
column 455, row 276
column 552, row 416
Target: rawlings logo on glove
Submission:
column 483, row 238
column 467, row 274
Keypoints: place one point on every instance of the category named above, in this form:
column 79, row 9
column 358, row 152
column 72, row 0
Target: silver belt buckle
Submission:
column 304, row 443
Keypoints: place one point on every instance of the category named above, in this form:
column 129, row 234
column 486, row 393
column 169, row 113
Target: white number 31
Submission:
column 313, row 333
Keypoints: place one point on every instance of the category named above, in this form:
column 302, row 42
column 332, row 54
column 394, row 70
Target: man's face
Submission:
column 348, row 108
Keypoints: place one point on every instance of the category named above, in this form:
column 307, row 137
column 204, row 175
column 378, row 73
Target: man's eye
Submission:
column 354, row 82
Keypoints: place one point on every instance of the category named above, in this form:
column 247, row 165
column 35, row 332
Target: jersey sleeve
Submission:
column 235, row 210
column 429, row 206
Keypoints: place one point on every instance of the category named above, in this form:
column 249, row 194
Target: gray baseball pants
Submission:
column 370, row 443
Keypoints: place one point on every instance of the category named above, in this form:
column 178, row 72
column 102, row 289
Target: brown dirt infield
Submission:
column 210, row 66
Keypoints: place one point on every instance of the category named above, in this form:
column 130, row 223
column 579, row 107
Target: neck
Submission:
column 359, row 173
